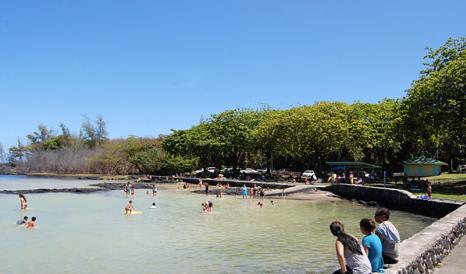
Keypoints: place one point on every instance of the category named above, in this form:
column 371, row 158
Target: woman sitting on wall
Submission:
column 351, row 255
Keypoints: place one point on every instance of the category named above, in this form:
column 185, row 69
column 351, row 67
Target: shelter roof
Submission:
column 352, row 164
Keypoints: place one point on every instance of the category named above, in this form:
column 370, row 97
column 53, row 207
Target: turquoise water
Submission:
column 88, row 233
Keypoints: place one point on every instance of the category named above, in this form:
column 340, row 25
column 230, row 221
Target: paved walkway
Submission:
column 455, row 262
column 294, row 189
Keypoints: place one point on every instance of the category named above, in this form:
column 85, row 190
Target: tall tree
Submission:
column 435, row 106
column 101, row 134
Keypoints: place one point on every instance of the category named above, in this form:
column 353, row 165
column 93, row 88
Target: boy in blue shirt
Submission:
column 372, row 244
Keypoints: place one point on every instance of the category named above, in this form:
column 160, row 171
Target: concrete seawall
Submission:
column 426, row 249
column 395, row 199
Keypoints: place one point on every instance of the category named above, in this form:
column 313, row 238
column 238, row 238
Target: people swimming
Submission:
column 351, row 255
column 129, row 207
column 31, row 224
column 22, row 221
column 260, row 204
column 207, row 206
column 372, row 244
column 389, row 236
column 271, row 202
column 23, row 201
column 152, row 206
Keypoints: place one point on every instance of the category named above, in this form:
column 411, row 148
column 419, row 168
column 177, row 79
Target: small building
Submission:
column 423, row 167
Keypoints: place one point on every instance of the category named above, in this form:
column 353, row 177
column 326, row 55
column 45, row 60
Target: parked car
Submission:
column 309, row 174
column 249, row 171
column 212, row 169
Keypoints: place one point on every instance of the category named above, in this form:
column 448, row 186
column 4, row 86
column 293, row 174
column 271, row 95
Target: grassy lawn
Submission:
column 447, row 177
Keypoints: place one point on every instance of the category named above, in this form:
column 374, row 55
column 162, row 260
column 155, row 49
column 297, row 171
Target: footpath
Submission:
column 455, row 262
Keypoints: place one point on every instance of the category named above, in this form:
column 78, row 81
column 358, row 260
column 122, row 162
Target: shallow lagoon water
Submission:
column 88, row 233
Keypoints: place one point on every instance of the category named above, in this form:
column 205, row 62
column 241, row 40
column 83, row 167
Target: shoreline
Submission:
column 315, row 195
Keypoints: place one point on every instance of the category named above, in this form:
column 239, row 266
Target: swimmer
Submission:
column 24, row 202
column 260, row 204
column 271, row 202
column 31, row 223
column 152, row 206
column 204, row 207
column 129, row 208
column 22, row 221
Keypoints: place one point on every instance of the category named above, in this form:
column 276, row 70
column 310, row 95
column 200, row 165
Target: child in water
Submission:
column 152, row 206
column 31, row 224
column 129, row 208
column 133, row 189
column 24, row 203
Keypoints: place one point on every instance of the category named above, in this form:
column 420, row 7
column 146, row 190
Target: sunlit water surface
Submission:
column 88, row 233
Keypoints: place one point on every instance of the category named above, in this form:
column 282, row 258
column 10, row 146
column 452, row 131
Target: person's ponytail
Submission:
column 348, row 241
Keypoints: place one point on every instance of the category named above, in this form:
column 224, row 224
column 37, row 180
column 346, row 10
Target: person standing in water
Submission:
column 210, row 206
column 206, row 188
column 154, row 190
column 23, row 201
column 129, row 207
column 126, row 188
column 133, row 189
column 244, row 191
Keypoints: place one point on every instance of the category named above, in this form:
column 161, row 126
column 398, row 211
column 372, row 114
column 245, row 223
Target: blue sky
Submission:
column 152, row 66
